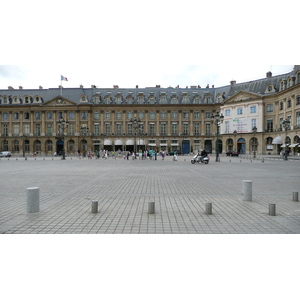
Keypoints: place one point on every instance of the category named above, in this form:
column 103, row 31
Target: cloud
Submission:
column 12, row 72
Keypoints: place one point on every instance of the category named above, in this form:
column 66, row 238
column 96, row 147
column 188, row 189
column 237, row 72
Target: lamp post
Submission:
column 63, row 125
column 254, row 130
column 217, row 119
column 135, row 125
column 84, row 131
column 286, row 125
column 234, row 146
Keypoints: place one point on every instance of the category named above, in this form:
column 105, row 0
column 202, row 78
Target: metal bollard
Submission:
column 208, row 208
column 33, row 200
column 247, row 190
column 295, row 196
column 94, row 206
column 151, row 207
column 272, row 209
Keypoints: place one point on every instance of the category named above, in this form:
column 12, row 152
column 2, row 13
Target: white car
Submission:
column 5, row 154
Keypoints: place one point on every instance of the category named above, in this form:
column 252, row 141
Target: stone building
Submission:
column 153, row 118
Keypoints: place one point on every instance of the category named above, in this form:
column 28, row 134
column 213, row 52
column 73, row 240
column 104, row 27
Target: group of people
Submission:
column 144, row 154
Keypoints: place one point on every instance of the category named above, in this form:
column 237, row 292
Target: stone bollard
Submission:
column 94, row 206
column 272, row 209
column 295, row 196
column 247, row 190
column 33, row 200
column 208, row 208
column 151, row 207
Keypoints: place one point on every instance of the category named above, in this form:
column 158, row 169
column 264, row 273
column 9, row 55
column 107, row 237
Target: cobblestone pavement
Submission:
column 123, row 189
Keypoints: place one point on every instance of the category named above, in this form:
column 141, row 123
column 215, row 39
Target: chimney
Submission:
column 269, row 74
column 40, row 87
column 232, row 82
column 20, row 87
column 10, row 88
column 81, row 86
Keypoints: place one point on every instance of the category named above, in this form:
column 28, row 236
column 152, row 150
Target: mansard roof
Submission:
column 218, row 94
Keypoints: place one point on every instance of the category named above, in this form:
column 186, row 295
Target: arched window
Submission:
column 196, row 100
column 5, row 145
column 71, row 145
column 107, row 100
column 49, row 146
column 174, row 100
column 163, row 99
column 16, row 146
column 119, row 99
column 185, row 99
column 37, row 146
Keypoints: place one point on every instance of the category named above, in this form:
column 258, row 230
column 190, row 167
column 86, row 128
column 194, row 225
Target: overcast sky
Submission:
column 31, row 77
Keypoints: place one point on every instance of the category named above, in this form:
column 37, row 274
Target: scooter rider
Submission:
column 203, row 154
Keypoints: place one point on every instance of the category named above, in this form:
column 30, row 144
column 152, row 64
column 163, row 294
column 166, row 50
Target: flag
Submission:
column 63, row 78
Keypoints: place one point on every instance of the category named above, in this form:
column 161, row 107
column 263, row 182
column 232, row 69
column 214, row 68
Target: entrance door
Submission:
column 186, row 147
column 241, row 145
column 59, row 147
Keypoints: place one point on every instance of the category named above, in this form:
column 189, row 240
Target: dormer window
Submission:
column 119, row 99
column 152, row 100
column 185, row 99
column 196, row 100
column 141, row 99
column 26, row 100
column 174, row 100
column 163, row 99
column 83, row 98
column 129, row 100
column 107, row 100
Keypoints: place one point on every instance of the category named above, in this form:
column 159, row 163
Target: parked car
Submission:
column 232, row 153
column 5, row 154
column 172, row 152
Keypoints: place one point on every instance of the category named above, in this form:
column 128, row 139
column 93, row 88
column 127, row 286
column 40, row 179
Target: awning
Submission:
column 175, row 144
column 140, row 142
column 118, row 143
column 163, row 144
column 152, row 145
column 285, row 145
column 130, row 143
column 107, row 143
column 294, row 145
column 277, row 140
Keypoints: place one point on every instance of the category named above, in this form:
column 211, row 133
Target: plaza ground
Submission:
column 123, row 189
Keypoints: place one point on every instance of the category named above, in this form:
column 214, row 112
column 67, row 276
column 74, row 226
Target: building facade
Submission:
column 153, row 118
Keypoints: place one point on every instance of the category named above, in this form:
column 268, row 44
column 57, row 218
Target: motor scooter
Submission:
column 197, row 158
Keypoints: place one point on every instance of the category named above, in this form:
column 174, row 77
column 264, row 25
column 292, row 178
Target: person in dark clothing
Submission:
column 203, row 154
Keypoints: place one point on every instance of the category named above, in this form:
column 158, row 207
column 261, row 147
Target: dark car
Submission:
column 232, row 153
column 172, row 152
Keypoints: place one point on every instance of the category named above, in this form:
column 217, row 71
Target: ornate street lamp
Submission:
column 84, row 131
column 286, row 125
column 217, row 119
column 254, row 130
column 135, row 125
column 63, row 125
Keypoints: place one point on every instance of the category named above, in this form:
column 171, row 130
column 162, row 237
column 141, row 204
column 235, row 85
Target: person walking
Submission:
column 163, row 155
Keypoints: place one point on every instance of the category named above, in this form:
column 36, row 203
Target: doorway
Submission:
column 59, row 147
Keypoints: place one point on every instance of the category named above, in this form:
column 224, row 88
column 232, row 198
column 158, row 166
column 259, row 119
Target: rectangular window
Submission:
column 196, row 115
column 227, row 112
column 49, row 129
column 207, row 129
column 107, row 128
column 185, row 115
column 174, row 114
column 96, row 115
column 38, row 129
column 37, row 115
column 71, row 128
column 152, row 115
column 129, row 129
column 152, row 129
column 240, row 111
column 253, row 109
column 71, row 115
column 226, row 126
column 270, row 125
column 163, row 115
column 118, row 115
column 141, row 115
column 270, row 108
column 16, row 116
column 60, row 115
column 129, row 115
column 207, row 114
column 16, row 129
column 174, row 129
column 185, row 128
column 163, row 129
column 26, row 129
column 298, row 119
column 197, row 129
column 49, row 115
column 26, row 116
column 83, row 115
column 118, row 128
column 96, row 129
column 5, row 116
column 5, row 129
column 253, row 123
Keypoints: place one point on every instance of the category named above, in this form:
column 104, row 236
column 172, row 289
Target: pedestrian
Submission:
column 128, row 153
column 163, row 155
column 155, row 154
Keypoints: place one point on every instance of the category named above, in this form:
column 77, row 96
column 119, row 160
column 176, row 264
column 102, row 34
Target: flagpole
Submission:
column 60, row 86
